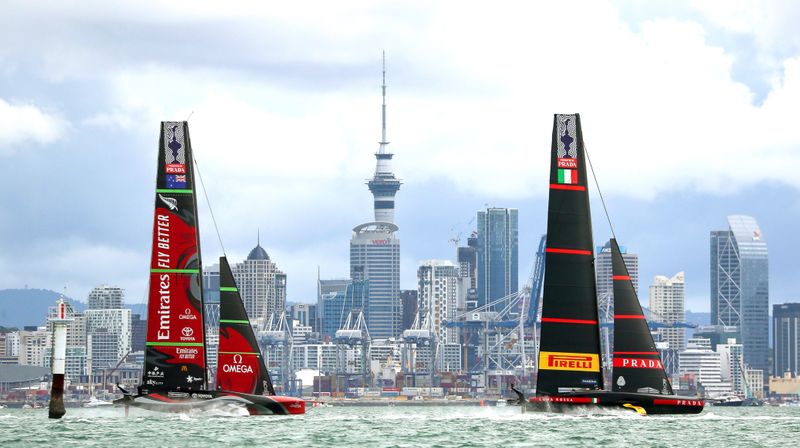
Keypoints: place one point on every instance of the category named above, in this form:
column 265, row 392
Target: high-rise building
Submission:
column 338, row 303
column 732, row 365
column 667, row 305
column 468, row 274
column 740, row 286
column 105, row 297
column 704, row 364
column 261, row 284
column 498, row 253
column 138, row 333
column 375, row 258
column 375, row 249
column 32, row 345
column 409, row 300
column 602, row 269
column 304, row 313
column 210, row 314
column 108, row 335
column 786, row 339
column 437, row 298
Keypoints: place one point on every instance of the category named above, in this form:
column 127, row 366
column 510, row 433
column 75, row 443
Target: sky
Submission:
column 688, row 108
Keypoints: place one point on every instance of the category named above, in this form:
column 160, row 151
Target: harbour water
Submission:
column 386, row 426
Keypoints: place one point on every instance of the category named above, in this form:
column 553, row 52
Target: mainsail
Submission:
column 637, row 363
column 175, row 356
column 240, row 367
column 569, row 354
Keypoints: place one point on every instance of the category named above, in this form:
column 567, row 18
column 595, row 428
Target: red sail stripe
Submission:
column 628, row 316
column 554, row 250
column 557, row 320
column 635, row 353
column 567, row 187
column 620, row 277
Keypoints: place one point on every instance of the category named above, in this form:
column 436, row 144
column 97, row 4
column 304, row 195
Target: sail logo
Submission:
column 175, row 152
column 187, row 332
column 176, row 181
column 176, row 168
column 187, row 315
column 187, row 353
column 638, row 363
column 566, row 145
column 237, row 366
column 172, row 203
column 155, row 373
column 580, row 362
column 567, row 162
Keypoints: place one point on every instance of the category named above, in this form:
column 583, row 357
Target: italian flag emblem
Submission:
column 567, row 176
column 595, row 400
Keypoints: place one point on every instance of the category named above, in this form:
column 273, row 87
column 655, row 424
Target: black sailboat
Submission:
column 240, row 366
column 174, row 376
column 570, row 363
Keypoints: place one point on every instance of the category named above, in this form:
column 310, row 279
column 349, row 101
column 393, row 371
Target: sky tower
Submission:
column 375, row 248
column 384, row 185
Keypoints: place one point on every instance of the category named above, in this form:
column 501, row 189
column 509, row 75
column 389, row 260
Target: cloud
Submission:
column 285, row 107
column 21, row 123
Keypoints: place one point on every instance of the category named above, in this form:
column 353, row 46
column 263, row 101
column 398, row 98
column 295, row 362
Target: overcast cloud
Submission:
column 689, row 114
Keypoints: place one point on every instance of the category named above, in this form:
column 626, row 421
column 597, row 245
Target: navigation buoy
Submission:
column 59, row 360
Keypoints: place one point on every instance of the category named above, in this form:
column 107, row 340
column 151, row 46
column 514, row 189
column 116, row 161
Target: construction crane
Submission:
column 352, row 340
column 419, row 349
column 499, row 329
column 277, row 347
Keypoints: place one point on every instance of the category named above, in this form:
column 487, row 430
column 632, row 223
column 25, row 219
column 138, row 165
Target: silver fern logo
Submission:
column 172, row 203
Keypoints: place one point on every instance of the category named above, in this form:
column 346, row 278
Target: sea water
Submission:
column 401, row 426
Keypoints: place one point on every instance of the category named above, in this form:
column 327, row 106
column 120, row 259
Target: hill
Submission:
column 23, row 307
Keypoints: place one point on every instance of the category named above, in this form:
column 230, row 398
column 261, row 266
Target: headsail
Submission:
column 175, row 356
column 569, row 356
column 637, row 364
column 240, row 367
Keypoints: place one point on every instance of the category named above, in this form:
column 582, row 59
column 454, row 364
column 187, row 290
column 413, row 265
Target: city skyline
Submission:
column 469, row 113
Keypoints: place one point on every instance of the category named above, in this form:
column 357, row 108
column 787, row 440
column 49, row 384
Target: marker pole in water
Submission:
column 59, row 360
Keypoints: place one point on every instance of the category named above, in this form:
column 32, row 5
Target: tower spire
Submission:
column 383, row 141
column 384, row 185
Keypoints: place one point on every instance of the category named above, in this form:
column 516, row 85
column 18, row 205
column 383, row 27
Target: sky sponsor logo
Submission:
column 579, row 362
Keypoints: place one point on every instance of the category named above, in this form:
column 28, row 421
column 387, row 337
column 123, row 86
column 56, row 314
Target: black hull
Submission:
column 176, row 402
column 598, row 401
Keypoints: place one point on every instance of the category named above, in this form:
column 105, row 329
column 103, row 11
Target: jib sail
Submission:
column 637, row 364
column 569, row 356
column 240, row 367
column 175, row 354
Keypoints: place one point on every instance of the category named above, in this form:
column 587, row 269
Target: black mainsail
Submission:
column 175, row 356
column 570, row 371
column 637, row 364
column 569, row 356
column 240, row 366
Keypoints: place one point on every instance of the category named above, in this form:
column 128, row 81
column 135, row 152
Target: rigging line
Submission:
column 599, row 192
column 208, row 202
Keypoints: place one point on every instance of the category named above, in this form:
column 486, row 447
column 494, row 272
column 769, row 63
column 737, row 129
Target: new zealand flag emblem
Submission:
column 176, row 181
